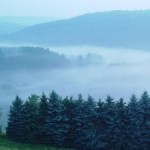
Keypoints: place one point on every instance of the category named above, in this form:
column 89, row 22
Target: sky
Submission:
column 66, row 8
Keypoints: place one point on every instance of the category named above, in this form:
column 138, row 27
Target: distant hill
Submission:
column 10, row 24
column 27, row 20
column 125, row 29
column 9, row 27
column 30, row 59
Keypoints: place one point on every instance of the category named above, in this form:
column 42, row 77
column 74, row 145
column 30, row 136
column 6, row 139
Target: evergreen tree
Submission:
column 30, row 119
column 106, row 113
column 109, row 116
column 42, row 114
column 79, row 122
column 14, row 128
column 134, row 123
column 53, row 125
column 121, row 137
column 88, row 140
column 69, row 110
column 100, row 125
column 145, row 121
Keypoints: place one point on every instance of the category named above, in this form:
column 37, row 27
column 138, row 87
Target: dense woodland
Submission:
column 81, row 124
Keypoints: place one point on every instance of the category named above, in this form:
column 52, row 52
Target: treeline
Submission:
column 38, row 58
column 81, row 124
column 30, row 59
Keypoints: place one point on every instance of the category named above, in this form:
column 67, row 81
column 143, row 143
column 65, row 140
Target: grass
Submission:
column 6, row 144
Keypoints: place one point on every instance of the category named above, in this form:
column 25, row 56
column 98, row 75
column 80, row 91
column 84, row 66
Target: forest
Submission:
column 30, row 58
column 79, row 123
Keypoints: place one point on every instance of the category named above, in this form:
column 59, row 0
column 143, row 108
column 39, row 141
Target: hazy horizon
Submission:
column 66, row 8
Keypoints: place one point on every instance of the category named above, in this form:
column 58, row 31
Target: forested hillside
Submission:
column 30, row 59
column 123, row 29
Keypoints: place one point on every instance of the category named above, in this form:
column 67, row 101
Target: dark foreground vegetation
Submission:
column 6, row 144
column 81, row 124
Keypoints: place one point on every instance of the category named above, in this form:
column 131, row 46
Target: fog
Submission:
column 121, row 73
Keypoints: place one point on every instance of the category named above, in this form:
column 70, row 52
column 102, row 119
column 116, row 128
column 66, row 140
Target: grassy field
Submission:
column 6, row 144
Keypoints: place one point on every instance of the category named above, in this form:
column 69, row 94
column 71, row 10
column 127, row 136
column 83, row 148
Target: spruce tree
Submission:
column 109, row 116
column 69, row 107
column 79, row 122
column 121, row 137
column 30, row 119
column 14, row 128
column 42, row 114
column 88, row 140
column 145, row 121
column 100, row 125
column 134, row 123
column 53, row 126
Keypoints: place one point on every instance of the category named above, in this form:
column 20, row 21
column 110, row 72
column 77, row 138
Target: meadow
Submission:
column 6, row 144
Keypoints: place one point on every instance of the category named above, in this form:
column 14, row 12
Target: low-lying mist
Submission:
column 119, row 73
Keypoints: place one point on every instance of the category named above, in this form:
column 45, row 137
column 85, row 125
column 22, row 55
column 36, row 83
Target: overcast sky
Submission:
column 66, row 8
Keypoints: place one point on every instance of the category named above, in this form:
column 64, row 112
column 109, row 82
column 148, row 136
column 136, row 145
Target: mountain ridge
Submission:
column 125, row 29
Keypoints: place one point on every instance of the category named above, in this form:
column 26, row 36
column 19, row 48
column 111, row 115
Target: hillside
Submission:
column 126, row 29
column 9, row 27
column 30, row 58
column 9, row 24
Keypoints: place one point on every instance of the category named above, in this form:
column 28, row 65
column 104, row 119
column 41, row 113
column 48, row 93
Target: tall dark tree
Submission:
column 100, row 125
column 42, row 114
column 109, row 116
column 145, row 121
column 30, row 119
column 79, row 122
column 53, row 125
column 14, row 128
column 69, row 113
column 134, row 123
column 88, row 140
column 121, row 137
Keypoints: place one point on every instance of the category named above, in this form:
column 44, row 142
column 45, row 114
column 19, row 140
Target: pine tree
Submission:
column 100, row 125
column 145, row 121
column 30, row 119
column 42, row 114
column 69, row 106
column 121, row 137
column 134, row 123
column 88, row 140
column 14, row 128
column 109, row 116
column 53, row 126
column 79, row 122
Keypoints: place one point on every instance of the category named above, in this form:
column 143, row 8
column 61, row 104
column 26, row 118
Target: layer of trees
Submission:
column 38, row 58
column 30, row 58
column 81, row 124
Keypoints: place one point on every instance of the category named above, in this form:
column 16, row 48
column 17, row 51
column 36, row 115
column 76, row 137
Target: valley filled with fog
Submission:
column 87, row 70
column 84, row 54
column 118, row 72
